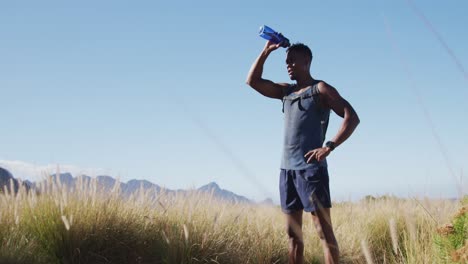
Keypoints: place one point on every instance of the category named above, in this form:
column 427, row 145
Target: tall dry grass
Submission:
column 93, row 225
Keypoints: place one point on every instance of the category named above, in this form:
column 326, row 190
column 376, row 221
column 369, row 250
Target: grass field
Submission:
column 89, row 225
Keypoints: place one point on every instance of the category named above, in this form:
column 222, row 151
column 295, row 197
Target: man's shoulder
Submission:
column 324, row 88
column 322, row 84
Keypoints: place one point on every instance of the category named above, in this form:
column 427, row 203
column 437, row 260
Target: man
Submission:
column 304, row 174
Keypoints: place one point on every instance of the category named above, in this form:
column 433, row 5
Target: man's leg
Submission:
column 296, row 243
column 322, row 222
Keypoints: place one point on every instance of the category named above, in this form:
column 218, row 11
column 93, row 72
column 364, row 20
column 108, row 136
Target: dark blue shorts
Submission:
column 305, row 190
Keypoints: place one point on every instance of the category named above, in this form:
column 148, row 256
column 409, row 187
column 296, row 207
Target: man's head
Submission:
column 298, row 60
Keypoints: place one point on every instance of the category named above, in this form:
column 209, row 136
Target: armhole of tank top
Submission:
column 316, row 96
column 287, row 91
column 315, row 90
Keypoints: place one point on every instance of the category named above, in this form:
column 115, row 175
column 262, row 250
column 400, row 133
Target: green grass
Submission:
column 89, row 225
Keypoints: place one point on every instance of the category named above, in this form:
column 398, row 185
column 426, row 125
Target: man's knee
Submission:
column 295, row 235
column 294, row 231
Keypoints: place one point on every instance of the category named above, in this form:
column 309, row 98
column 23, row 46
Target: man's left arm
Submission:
column 332, row 99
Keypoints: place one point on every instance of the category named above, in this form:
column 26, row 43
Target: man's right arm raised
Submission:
column 255, row 80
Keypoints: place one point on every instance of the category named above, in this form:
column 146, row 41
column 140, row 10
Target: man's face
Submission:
column 297, row 64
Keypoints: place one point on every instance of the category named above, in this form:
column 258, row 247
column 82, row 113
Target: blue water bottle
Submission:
column 273, row 36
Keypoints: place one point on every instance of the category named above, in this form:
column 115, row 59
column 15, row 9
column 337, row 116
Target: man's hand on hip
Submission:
column 318, row 154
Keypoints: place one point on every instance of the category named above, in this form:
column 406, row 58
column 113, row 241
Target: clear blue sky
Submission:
column 156, row 90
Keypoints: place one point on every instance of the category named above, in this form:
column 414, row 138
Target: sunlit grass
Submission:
column 91, row 225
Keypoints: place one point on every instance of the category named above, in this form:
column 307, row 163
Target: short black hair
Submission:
column 300, row 47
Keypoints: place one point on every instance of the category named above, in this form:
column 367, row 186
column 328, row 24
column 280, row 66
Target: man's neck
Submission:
column 304, row 82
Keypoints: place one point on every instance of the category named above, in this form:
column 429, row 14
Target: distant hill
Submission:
column 7, row 181
column 214, row 188
column 106, row 183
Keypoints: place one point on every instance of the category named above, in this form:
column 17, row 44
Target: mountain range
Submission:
column 107, row 183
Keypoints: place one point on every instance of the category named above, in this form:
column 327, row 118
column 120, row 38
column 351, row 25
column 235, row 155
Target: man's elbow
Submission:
column 352, row 118
column 356, row 119
column 251, row 82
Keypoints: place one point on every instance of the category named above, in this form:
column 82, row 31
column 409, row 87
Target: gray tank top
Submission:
column 305, row 126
